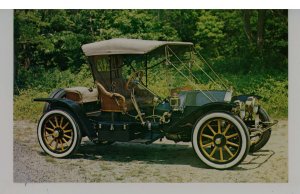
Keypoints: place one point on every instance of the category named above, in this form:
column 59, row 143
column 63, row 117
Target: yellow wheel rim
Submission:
column 58, row 133
column 219, row 140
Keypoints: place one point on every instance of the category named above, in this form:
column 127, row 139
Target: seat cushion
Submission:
column 82, row 94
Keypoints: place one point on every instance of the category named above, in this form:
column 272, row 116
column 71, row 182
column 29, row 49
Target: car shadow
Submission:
column 156, row 153
column 255, row 160
column 176, row 154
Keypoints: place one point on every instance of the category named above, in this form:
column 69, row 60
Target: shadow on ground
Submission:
column 153, row 153
column 256, row 160
column 170, row 154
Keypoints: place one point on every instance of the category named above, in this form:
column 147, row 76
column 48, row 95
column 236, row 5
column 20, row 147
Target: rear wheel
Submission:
column 220, row 140
column 58, row 133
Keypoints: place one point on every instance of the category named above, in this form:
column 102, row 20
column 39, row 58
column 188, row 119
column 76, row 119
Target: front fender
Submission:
column 192, row 113
column 216, row 106
column 83, row 121
column 209, row 107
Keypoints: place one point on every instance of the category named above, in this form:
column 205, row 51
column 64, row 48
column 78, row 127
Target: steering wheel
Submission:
column 135, row 77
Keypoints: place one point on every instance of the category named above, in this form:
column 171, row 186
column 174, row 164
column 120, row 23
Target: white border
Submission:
column 6, row 126
column 6, row 99
column 151, row 4
column 294, row 96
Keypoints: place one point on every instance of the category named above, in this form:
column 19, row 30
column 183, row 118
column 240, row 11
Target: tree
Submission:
column 246, row 39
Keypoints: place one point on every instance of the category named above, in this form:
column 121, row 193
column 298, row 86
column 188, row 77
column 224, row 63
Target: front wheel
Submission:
column 58, row 133
column 221, row 140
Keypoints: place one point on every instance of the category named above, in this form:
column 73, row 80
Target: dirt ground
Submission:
column 162, row 161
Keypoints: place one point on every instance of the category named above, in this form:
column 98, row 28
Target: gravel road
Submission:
column 162, row 161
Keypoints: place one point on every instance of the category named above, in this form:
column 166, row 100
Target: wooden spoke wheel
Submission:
column 58, row 133
column 221, row 140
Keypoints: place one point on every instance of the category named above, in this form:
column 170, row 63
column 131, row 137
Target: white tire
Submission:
column 220, row 140
column 58, row 133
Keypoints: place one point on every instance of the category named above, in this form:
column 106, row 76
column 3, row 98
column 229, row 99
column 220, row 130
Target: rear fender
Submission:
column 83, row 121
column 58, row 93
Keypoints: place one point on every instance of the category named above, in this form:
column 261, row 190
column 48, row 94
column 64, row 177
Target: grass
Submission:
column 39, row 83
column 120, row 178
column 272, row 86
column 50, row 159
column 25, row 108
column 105, row 166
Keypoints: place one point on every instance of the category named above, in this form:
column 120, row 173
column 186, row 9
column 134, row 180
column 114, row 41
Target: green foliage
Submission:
column 39, row 83
column 271, row 86
column 52, row 38
column 209, row 31
column 25, row 108
column 48, row 49
column 47, row 80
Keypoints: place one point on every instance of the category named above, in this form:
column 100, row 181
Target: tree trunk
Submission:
column 247, row 25
column 260, row 28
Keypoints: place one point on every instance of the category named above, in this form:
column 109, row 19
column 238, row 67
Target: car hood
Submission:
column 200, row 98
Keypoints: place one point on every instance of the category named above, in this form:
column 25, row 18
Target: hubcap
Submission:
column 55, row 133
column 218, row 141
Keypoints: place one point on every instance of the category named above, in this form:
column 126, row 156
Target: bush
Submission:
column 25, row 108
column 272, row 86
column 39, row 82
column 46, row 80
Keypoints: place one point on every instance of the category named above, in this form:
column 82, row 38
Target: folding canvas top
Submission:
column 119, row 46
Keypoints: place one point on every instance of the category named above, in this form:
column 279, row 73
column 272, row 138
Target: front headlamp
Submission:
column 255, row 107
column 242, row 110
column 252, row 104
column 239, row 108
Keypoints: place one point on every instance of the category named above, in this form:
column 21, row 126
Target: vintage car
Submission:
column 122, row 107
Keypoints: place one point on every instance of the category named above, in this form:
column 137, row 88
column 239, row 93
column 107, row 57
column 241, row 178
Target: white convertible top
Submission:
column 120, row 46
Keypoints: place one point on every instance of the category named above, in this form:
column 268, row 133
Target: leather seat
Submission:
column 110, row 102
